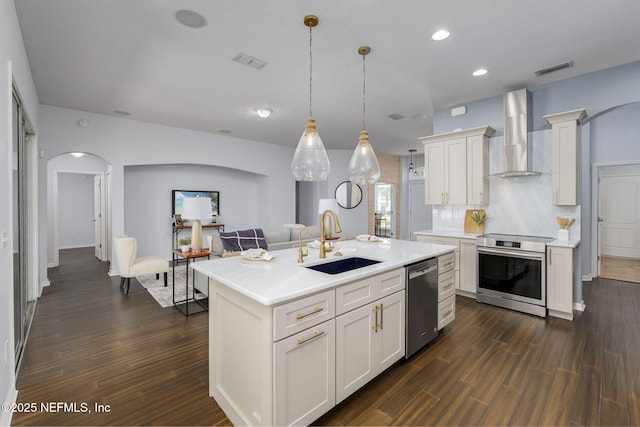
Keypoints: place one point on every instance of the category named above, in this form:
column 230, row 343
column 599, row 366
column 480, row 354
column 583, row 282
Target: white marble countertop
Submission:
column 447, row 233
column 283, row 278
column 571, row 243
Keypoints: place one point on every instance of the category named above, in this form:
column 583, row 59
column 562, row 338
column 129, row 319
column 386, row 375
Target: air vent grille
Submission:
column 554, row 68
column 250, row 61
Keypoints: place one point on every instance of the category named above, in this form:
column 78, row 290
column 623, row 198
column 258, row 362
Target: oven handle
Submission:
column 538, row 256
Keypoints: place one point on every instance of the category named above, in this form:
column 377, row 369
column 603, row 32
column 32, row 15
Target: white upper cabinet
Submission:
column 564, row 156
column 457, row 165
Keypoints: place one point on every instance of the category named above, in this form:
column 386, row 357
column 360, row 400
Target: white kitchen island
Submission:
column 287, row 343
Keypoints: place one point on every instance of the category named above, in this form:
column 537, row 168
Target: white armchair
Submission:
column 129, row 266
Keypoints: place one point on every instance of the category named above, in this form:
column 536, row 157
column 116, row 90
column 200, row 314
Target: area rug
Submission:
column 164, row 295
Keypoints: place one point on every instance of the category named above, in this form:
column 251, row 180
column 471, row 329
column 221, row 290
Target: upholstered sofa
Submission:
column 276, row 238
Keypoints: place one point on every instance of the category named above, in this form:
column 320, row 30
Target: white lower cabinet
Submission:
column 286, row 364
column 369, row 339
column 560, row 270
column 304, row 375
column 468, row 266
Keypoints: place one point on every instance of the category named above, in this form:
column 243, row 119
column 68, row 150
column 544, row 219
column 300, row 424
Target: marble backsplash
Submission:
column 519, row 205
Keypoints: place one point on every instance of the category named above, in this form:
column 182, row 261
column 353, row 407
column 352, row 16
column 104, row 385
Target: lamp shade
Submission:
column 196, row 208
column 325, row 204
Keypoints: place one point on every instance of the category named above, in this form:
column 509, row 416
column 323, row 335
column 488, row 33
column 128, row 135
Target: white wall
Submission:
column 135, row 149
column 75, row 211
column 13, row 65
column 147, row 198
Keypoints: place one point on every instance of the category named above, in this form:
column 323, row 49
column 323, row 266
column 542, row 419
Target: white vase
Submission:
column 185, row 248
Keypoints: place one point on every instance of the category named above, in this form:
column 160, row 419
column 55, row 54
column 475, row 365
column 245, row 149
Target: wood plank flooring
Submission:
column 491, row 366
column 625, row 269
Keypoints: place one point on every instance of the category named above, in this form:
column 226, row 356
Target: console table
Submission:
column 177, row 253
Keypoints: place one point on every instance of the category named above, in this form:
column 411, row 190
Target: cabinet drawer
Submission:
column 301, row 314
column 390, row 282
column 354, row 295
column 446, row 285
column 446, row 262
column 446, row 311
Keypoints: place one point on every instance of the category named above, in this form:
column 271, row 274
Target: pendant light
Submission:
column 364, row 167
column 310, row 161
column 411, row 165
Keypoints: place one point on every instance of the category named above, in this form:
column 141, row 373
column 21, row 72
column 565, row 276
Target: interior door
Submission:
column 384, row 210
column 619, row 216
column 97, row 215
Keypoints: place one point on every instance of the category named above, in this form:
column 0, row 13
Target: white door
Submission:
column 419, row 214
column 619, row 216
column 384, row 210
column 97, row 215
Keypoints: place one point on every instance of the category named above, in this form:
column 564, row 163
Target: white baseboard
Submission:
column 579, row 306
column 51, row 265
column 85, row 245
column 587, row 278
column 44, row 283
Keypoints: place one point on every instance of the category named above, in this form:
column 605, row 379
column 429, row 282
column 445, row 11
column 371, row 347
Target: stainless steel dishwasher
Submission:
column 421, row 305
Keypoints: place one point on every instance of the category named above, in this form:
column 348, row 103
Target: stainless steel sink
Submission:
column 343, row 265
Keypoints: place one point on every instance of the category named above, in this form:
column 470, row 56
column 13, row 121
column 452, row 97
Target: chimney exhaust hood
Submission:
column 518, row 154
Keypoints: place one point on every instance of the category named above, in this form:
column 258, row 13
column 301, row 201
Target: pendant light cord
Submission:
column 310, row 68
column 364, row 87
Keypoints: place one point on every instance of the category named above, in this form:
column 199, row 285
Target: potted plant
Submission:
column 185, row 244
column 479, row 219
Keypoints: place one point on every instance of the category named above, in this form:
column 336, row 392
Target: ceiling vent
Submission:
column 395, row 116
column 554, row 68
column 250, row 61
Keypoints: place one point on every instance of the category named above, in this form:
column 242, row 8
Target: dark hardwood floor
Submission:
column 90, row 343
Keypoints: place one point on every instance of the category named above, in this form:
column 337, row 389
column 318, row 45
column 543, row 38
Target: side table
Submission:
column 188, row 256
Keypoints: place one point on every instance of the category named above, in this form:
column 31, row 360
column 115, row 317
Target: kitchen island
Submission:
column 287, row 343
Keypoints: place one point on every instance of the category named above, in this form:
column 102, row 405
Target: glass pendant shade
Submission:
column 310, row 161
column 364, row 167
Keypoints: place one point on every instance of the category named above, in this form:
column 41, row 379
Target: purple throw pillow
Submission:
column 242, row 240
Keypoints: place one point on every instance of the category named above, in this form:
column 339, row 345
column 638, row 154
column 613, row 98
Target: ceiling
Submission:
column 103, row 56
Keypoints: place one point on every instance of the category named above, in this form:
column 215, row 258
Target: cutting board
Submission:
column 469, row 225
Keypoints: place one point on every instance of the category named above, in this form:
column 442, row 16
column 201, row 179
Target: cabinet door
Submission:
column 434, row 174
column 305, row 375
column 477, row 170
column 456, row 172
column 389, row 337
column 468, row 266
column 560, row 282
column 564, row 163
column 354, row 350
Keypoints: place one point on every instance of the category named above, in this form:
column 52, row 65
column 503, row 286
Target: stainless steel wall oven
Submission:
column 512, row 272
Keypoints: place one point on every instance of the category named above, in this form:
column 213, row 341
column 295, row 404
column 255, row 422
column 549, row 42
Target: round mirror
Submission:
column 348, row 195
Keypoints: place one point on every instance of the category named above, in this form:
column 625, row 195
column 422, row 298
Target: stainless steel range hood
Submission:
column 517, row 122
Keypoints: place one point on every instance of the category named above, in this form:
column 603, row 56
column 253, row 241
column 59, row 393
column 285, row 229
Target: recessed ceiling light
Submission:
column 440, row 35
column 121, row 113
column 83, row 123
column 77, row 155
column 480, row 72
column 264, row 113
column 190, row 19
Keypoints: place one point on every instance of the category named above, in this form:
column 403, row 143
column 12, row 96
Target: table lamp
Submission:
column 196, row 209
column 323, row 205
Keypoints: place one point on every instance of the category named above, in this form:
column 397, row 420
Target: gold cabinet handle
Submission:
column 381, row 315
column 447, row 264
column 447, row 313
column 375, row 324
column 550, row 257
column 316, row 334
column 314, row 311
column 447, row 286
